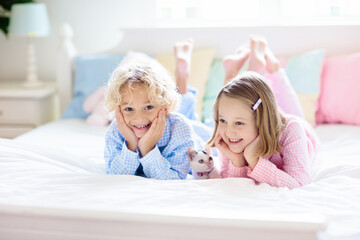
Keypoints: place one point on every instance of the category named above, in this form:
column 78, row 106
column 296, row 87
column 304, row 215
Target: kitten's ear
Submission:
column 207, row 150
column 192, row 153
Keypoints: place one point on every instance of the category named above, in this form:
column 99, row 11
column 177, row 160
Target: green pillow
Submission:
column 304, row 71
column 213, row 86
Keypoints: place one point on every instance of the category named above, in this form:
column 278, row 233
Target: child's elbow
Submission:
column 180, row 176
column 305, row 180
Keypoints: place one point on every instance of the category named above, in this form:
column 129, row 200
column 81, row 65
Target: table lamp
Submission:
column 30, row 20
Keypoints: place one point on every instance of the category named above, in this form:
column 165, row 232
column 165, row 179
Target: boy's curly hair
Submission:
column 138, row 68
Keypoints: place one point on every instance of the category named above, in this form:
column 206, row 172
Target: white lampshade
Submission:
column 29, row 19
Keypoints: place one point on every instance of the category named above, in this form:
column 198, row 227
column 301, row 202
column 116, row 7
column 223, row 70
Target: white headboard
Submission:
column 284, row 41
column 65, row 66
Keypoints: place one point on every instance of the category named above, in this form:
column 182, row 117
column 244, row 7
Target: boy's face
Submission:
column 137, row 110
column 237, row 125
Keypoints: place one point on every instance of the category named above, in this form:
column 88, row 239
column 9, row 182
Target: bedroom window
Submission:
column 202, row 13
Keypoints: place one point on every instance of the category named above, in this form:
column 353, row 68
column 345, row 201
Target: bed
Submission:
column 53, row 186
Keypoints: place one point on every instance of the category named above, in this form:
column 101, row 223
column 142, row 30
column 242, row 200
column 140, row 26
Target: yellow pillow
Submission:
column 200, row 66
column 308, row 102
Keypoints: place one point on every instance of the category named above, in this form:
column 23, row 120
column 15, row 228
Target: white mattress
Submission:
column 60, row 165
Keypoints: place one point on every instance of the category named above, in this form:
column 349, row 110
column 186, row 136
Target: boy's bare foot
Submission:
column 233, row 63
column 183, row 51
column 257, row 53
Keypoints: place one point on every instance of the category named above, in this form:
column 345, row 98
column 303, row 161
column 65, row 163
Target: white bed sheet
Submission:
column 60, row 165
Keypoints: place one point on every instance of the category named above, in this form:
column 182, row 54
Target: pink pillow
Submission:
column 339, row 99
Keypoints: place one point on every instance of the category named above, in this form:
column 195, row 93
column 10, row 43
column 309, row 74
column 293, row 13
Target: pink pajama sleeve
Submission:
column 292, row 169
column 227, row 169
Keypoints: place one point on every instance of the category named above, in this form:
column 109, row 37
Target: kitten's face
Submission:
column 200, row 161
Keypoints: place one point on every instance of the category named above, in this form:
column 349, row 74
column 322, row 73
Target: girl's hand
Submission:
column 237, row 159
column 128, row 133
column 250, row 152
column 153, row 135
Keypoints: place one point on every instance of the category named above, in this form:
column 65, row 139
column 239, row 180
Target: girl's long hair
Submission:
column 270, row 122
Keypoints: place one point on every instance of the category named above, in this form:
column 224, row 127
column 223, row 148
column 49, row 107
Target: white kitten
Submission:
column 202, row 164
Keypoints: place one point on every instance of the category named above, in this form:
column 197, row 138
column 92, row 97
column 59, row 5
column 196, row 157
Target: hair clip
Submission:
column 256, row 105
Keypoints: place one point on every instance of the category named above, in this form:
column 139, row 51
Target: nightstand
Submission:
column 24, row 108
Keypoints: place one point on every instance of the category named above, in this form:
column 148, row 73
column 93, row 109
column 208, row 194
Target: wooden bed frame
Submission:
column 20, row 222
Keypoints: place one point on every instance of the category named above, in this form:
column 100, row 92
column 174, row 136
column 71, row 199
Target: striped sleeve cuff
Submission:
column 237, row 171
column 155, row 165
column 263, row 170
column 152, row 158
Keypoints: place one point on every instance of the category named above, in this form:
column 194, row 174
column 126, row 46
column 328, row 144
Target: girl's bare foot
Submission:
column 272, row 63
column 257, row 54
column 233, row 63
column 183, row 51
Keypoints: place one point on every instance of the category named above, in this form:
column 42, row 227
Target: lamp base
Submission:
column 32, row 79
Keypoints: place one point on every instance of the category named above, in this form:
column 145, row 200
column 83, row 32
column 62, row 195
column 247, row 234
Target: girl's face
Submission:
column 237, row 125
column 137, row 110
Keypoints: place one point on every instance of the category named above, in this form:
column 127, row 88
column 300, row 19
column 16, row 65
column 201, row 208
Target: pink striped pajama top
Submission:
column 291, row 167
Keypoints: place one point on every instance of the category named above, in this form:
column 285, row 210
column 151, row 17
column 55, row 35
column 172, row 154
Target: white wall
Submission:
column 97, row 25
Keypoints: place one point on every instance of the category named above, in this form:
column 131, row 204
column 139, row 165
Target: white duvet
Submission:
column 60, row 165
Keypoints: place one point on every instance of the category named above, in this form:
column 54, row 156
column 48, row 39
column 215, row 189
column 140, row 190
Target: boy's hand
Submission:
column 237, row 159
column 250, row 152
column 128, row 133
column 153, row 135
